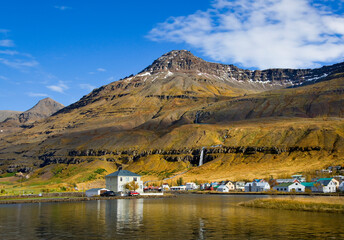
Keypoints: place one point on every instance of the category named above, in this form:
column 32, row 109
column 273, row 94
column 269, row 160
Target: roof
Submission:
column 287, row 184
column 325, row 179
column 124, row 173
column 95, row 189
column 308, row 184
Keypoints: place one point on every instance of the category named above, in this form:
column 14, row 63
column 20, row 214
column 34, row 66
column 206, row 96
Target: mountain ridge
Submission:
column 161, row 118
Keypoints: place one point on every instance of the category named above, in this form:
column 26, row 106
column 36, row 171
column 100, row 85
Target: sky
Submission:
column 63, row 49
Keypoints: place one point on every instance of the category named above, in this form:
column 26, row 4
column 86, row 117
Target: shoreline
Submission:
column 338, row 194
column 19, row 200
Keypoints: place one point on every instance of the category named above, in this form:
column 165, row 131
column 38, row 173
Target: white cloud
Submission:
column 60, row 87
column 19, row 63
column 62, row 8
column 31, row 94
column 6, row 43
column 3, row 78
column 262, row 34
column 87, row 86
column 9, row 52
column 101, row 70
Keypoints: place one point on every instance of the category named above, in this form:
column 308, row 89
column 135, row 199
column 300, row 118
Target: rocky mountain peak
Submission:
column 44, row 108
column 177, row 61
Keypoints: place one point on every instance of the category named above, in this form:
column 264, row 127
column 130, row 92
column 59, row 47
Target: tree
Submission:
column 132, row 186
column 180, row 181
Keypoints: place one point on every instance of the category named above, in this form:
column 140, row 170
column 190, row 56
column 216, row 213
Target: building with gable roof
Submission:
column 116, row 181
column 295, row 186
column 324, row 185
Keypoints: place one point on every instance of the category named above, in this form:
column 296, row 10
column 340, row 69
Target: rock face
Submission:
column 186, row 62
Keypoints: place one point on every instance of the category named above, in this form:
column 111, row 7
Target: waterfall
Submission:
column 201, row 157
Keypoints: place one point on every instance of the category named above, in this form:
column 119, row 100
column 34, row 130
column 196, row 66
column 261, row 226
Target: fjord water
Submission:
column 183, row 217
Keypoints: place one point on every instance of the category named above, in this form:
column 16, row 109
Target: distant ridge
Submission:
column 4, row 114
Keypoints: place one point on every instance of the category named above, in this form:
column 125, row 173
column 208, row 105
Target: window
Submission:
column 127, row 179
column 121, row 179
column 135, row 179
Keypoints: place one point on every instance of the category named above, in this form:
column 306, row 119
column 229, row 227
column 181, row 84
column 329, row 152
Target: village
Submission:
column 126, row 183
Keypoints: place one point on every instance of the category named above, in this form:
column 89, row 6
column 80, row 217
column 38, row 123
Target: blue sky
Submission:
column 63, row 49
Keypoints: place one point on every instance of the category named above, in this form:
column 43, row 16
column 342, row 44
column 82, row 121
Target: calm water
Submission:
column 184, row 217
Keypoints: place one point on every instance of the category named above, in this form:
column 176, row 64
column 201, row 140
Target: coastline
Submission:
column 36, row 199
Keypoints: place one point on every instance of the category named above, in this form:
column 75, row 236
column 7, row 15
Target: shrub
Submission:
column 180, row 181
column 100, row 171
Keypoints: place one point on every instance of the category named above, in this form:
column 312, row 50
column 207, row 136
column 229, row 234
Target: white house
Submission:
column 324, row 185
column 240, row 186
column 165, row 187
column 95, row 192
column 191, row 186
column 222, row 188
column 258, row 185
column 341, row 187
column 295, row 186
column 178, row 188
column 116, row 181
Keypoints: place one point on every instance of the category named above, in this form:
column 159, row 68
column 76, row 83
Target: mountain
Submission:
column 4, row 114
column 251, row 123
column 43, row 109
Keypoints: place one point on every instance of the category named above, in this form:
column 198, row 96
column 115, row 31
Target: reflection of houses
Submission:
column 116, row 181
column 124, row 213
column 95, row 192
column 258, row 185
column 295, row 186
column 325, row 185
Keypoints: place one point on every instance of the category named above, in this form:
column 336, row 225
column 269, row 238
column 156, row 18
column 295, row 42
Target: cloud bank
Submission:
column 260, row 33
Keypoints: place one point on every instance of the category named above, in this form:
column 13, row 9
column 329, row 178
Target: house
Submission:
column 190, row 186
column 295, row 186
column 308, row 185
column 230, row 185
column 325, row 185
column 178, row 188
column 341, row 187
column 258, row 185
column 116, row 181
column 299, row 177
column 240, row 186
column 165, row 187
column 95, row 192
column 222, row 188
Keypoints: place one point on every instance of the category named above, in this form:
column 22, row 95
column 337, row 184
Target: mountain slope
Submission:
column 4, row 114
column 43, row 109
column 181, row 103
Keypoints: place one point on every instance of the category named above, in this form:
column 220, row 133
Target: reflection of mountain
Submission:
column 124, row 213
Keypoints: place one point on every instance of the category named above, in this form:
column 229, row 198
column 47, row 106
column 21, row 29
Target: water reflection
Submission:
column 185, row 217
column 124, row 213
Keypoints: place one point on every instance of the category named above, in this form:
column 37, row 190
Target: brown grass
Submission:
column 313, row 204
